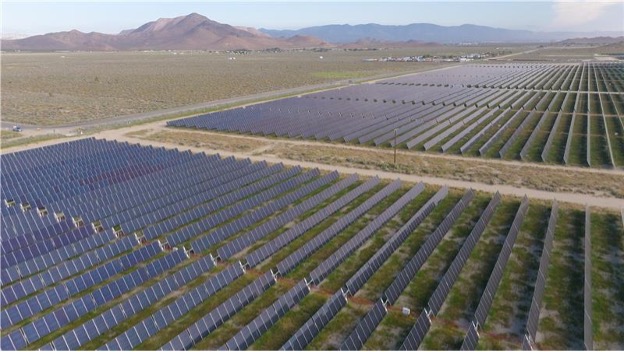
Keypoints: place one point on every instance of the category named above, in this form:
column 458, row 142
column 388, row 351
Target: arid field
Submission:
column 58, row 88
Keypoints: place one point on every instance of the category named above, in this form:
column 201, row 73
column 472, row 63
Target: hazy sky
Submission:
column 38, row 17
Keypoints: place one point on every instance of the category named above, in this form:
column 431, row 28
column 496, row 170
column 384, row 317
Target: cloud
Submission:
column 569, row 15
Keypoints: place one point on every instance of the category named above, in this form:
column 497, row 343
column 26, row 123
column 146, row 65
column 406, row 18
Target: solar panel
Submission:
column 588, row 339
column 417, row 333
column 471, row 340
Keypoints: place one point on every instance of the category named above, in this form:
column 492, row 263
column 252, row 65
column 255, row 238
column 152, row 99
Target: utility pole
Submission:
column 395, row 146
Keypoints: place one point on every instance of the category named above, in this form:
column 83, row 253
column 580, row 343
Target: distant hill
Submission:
column 191, row 32
column 383, row 44
column 425, row 32
column 592, row 41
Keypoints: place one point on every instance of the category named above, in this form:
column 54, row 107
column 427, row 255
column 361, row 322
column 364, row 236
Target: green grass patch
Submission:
column 279, row 333
column 226, row 331
column 561, row 318
column 607, row 236
column 466, row 293
column 511, row 304
column 337, row 330
column 393, row 328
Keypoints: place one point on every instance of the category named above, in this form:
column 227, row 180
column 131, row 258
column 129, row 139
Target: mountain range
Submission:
column 191, row 32
column 197, row 32
column 427, row 32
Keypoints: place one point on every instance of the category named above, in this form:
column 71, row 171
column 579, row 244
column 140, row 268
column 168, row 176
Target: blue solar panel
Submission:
column 60, row 344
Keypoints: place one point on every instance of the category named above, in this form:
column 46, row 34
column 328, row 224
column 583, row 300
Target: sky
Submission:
column 27, row 17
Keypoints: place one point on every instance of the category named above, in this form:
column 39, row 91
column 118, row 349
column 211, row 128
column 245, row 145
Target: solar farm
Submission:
column 114, row 246
column 563, row 113
column 111, row 245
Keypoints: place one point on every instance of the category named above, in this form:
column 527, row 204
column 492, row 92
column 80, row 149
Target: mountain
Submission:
column 191, row 32
column 425, row 32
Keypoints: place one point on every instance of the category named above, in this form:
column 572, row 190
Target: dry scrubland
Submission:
column 570, row 53
column 56, row 88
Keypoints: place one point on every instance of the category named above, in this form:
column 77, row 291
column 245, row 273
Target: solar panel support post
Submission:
column 395, row 146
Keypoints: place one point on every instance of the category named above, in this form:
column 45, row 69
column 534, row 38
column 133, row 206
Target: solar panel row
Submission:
column 471, row 340
column 553, row 130
column 248, row 197
column 540, row 282
column 313, row 326
column 135, row 304
column 439, row 295
column 534, row 134
column 517, row 131
column 68, row 268
column 211, row 321
column 252, row 331
column 420, row 329
column 320, row 273
column 399, row 284
column 365, row 327
column 262, row 253
column 71, row 311
column 290, row 262
column 491, row 287
column 588, row 334
column 223, row 232
column 246, row 239
column 374, row 263
column 131, row 338
column 417, row 333
column 373, row 317
column 26, row 309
